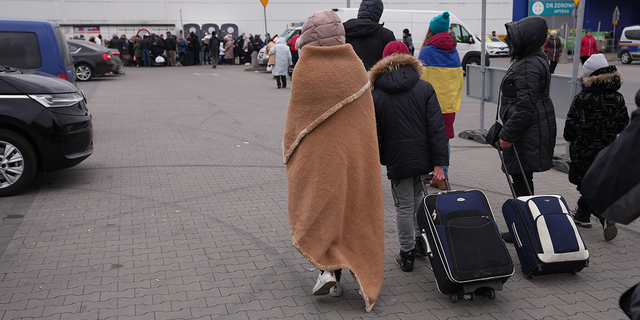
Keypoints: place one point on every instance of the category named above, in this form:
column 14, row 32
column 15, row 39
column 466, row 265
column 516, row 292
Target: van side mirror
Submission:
column 471, row 41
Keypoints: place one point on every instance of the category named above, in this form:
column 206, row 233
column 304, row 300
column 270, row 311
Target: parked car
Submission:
column 36, row 45
column 494, row 46
column 44, row 126
column 263, row 58
column 629, row 44
column 90, row 59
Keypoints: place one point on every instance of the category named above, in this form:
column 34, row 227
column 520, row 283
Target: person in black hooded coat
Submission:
column 526, row 109
column 367, row 37
column 412, row 139
column 596, row 116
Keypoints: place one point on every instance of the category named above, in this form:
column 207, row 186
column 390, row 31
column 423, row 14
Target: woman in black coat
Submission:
column 526, row 109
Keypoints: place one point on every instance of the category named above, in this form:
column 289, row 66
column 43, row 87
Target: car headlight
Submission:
column 58, row 100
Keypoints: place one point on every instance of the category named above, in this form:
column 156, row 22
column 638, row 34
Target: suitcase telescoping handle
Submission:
column 506, row 172
column 424, row 179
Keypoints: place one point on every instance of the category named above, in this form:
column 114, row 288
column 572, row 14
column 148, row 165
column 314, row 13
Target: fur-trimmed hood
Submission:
column 608, row 79
column 396, row 73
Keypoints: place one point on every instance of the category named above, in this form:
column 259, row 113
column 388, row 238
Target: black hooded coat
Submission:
column 412, row 138
column 367, row 37
column 526, row 109
column 596, row 116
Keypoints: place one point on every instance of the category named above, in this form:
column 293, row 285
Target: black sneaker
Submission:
column 405, row 260
column 421, row 248
column 582, row 217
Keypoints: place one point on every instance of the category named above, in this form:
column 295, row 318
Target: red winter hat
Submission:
column 395, row 47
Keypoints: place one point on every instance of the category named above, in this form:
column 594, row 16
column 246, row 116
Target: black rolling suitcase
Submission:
column 464, row 246
column 545, row 236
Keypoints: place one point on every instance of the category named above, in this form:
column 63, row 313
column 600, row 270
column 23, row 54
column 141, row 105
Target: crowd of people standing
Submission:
column 170, row 50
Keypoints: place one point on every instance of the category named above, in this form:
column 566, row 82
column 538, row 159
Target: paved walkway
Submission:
column 181, row 213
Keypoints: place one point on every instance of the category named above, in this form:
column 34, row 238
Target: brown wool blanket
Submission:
column 333, row 168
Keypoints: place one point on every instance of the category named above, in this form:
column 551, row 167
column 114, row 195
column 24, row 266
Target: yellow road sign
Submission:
column 576, row 2
column 264, row 2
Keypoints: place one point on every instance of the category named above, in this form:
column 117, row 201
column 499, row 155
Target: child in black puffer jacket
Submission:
column 596, row 116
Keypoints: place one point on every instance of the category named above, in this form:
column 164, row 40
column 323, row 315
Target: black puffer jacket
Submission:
column 526, row 109
column 411, row 134
column 596, row 117
column 368, row 37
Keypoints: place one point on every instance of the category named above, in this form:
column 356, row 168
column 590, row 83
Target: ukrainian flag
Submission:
column 443, row 70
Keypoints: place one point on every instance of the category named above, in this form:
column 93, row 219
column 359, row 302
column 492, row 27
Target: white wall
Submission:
column 247, row 14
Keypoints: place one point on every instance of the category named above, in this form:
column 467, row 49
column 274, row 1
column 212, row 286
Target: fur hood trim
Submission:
column 601, row 78
column 392, row 63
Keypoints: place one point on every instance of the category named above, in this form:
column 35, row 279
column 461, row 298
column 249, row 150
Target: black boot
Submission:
column 405, row 260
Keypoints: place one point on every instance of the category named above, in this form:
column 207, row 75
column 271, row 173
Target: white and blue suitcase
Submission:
column 545, row 236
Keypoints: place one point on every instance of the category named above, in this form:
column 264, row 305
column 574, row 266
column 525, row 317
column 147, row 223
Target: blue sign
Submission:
column 550, row 8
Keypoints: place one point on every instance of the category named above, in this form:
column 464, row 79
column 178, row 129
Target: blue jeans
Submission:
column 146, row 58
column 446, row 168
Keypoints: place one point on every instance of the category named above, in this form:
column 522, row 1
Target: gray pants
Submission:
column 407, row 195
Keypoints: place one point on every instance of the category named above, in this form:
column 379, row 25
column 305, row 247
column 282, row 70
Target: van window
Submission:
column 20, row 50
column 461, row 33
column 632, row 34
column 63, row 44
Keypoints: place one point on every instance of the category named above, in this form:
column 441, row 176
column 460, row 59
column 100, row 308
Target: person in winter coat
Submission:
column 282, row 62
column 170, row 46
column 146, row 50
column 294, row 51
column 137, row 50
column 596, row 116
column 214, row 49
column 408, row 40
column 588, row 46
column 246, row 51
column 115, row 43
column 196, row 49
column 526, row 110
column 331, row 155
column 412, row 139
column 553, row 46
column 272, row 57
column 442, row 68
column 182, row 50
column 222, row 51
column 366, row 35
column 228, row 47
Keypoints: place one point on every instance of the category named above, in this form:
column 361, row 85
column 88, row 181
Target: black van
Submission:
column 36, row 45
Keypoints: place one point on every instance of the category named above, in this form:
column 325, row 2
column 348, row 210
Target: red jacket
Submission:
column 588, row 46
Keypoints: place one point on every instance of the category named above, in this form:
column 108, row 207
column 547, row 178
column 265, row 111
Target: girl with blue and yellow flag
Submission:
column 442, row 68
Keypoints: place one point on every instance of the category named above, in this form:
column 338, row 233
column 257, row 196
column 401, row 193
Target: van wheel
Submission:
column 17, row 163
column 474, row 61
column 625, row 57
column 83, row 72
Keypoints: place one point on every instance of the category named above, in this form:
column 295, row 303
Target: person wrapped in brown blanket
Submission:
column 333, row 173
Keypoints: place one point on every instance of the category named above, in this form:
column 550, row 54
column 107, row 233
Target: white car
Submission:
column 494, row 46
column 288, row 33
column 629, row 44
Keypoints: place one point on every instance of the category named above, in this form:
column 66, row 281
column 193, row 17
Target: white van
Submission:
column 417, row 21
column 629, row 44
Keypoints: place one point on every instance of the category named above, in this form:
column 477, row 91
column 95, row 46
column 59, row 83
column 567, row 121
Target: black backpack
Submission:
column 250, row 45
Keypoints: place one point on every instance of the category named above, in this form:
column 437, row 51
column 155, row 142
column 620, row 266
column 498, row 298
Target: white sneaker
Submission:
column 247, row 64
column 336, row 290
column 324, row 284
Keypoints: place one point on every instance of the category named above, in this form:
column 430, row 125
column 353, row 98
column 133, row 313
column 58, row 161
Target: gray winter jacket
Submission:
column 526, row 109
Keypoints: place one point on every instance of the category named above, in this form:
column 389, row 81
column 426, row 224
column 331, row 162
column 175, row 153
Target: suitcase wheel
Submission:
column 490, row 293
column 453, row 297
